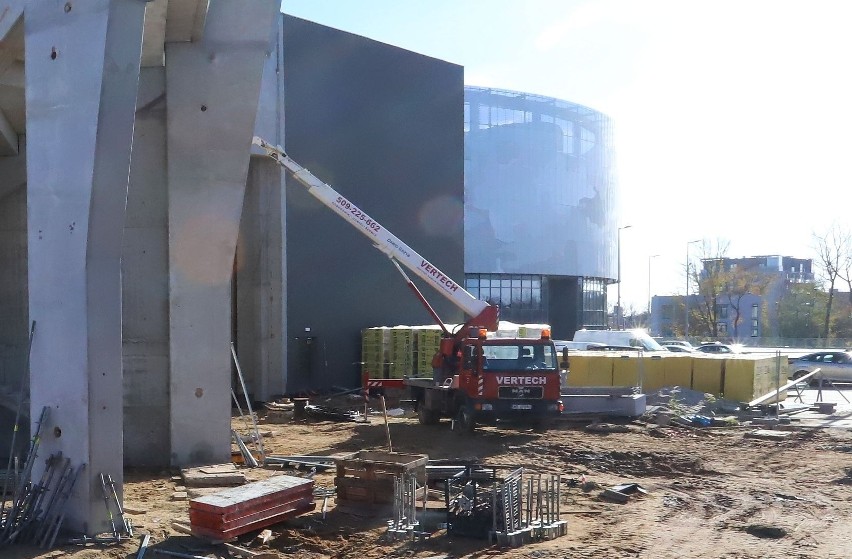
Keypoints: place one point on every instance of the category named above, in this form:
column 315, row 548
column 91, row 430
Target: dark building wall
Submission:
column 383, row 126
column 565, row 303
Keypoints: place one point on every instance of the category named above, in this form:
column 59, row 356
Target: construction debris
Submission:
column 768, row 434
column 37, row 509
column 622, row 493
column 257, row 439
column 334, row 414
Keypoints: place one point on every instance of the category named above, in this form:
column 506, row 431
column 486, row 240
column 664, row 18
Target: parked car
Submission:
column 682, row 343
column 636, row 338
column 573, row 346
column 717, row 347
column 834, row 365
column 678, row 348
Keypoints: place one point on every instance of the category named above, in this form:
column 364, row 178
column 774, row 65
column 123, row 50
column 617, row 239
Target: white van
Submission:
column 637, row 338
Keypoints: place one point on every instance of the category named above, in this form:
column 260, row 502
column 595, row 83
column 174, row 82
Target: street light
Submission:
column 686, row 299
column 618, row 313
column 649, row 284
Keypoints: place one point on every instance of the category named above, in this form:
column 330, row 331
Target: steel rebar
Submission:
column 18, row 412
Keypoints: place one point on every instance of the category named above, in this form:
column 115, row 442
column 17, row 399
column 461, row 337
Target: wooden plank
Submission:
column 248, row 553
column 784, row 388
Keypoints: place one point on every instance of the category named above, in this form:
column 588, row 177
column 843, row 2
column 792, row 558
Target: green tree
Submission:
column 742, row 281
column 800, row 311
column 711, row 281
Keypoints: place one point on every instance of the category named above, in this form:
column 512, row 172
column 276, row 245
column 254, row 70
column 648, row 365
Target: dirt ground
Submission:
column 712, row 492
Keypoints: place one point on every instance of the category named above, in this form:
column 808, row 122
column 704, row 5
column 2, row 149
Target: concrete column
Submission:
column 14, row 329
column 10, row 12
column 82, row 70
column 212, row 89
column 145, row 283
column 261, row 253
column 261, row 314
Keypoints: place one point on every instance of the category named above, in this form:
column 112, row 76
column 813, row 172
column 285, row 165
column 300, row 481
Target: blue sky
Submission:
column 732, row 118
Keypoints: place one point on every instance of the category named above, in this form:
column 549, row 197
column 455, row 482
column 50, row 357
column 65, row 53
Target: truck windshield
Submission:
column 523, row 357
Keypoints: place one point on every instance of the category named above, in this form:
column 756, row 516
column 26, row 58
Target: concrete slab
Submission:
column 618, row 405
column 213, row 476
column 768, row 434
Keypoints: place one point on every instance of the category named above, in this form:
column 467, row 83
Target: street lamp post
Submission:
column 649, row 284
column 618, row 313
column 686, row 299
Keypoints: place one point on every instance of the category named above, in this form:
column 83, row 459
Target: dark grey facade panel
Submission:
column 540, row 186
column 384, row 127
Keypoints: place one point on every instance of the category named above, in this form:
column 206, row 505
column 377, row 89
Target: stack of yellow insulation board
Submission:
column 590, row 369
column 707, row 373
column 750, row 376
column 374, row 348
column 652, row 371
column 427, row 340
column 677, row 370
column 736, row 377
column 401, row 355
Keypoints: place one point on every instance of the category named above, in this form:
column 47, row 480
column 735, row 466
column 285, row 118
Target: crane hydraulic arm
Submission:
column 482, row 314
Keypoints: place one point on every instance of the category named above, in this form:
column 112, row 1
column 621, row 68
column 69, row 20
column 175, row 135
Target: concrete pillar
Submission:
column 10, row 12
column 14, row 329
column 261, row 269
column 212, row 89
column 82, row 70
column 145, row 283
column 261, row 260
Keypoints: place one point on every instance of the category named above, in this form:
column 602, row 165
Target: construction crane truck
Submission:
column 477, row 377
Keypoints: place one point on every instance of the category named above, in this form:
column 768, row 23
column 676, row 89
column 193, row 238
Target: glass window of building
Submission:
column 540, row 206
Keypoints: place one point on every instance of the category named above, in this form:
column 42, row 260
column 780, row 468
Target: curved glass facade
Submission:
column 540, row 195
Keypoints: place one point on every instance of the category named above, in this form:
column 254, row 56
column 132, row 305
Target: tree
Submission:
column 711, row 281
column 833, row 255
column 845, row 263
column 742, row 281
column 841, row 320
column 799, row 310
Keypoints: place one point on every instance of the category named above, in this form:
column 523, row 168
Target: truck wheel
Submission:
column 466, row 423
column 426, row 416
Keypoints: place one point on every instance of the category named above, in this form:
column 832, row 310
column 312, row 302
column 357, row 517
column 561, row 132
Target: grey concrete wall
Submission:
column 384, row 126
column 145, row 293
column 212, row 92
column 14, row 326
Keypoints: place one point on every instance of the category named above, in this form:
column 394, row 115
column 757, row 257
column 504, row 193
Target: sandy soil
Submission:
column 709, row 492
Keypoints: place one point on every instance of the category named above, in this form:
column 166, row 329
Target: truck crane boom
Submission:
column 482, row 313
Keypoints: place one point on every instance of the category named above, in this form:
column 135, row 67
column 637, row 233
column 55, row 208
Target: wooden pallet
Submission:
column 365, row 479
